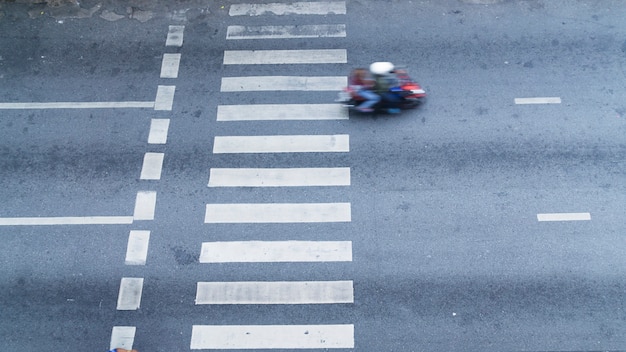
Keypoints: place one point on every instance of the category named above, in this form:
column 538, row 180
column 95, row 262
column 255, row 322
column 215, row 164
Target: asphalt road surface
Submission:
column 178, row 178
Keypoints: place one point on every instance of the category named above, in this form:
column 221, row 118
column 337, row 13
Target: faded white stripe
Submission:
column 282, row 83
column 137, row 249
column 276, row 57
column 281, row 144
column 286, row 32
column 67, row 220
column 275, row 292
column 175, row 36
column 564, row 217
column 78, row 105
column 276, row 251
column 122, row 337
column 170, row 65
column 158, row 131
column 164, row 98
column 277, row 213
column 545, row 100
column 145, row 204
column 258, row 112
column 271, row 336
column 129, row 297
column 276, row 177
column 152, row 166
column 296, row 8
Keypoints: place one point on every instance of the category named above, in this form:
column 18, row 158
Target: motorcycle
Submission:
column 407, row 94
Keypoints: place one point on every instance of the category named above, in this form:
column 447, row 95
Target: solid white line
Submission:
column 78, row 105
column 544, row 100
column 129, row 297
column 164, row 98
column 564, row 217
column 281, row 144
column 137, row 249
column 67, row 220
column 272, row 336
column 158, row 131
column 169, row 65
column 286, row 32
column 277, row 213
column 152, row 166
column 274, row 57
column 258, row 112
column 296, row 8
column 276, row 251
column 175, row 36
column 292, row 177
column 282, row 83
column 145, row 205
column 122, row 337
column 275, row 292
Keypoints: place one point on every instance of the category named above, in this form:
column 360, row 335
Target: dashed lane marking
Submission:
column 286, row 32
column 275, row 292
column 137, row 249
column 158, row 131
column 258, row 112
column 544, row 100
column 129, row 297
column 564, row 217
column 296, row 8
column 175, row 36
column 145, row 204
column 123, row 337
column 164, row 98
column 278, row 177
column 275, row 57
column 170, row 65
column 281, row 144
column 276, row 251
column 283, row 83
column 272, row 336
column 67, row 220
column 152, row 166
column 277, row 213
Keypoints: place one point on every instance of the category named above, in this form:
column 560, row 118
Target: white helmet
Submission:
column 381, row 68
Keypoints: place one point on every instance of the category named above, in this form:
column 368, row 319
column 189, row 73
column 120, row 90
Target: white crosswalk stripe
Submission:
column 286, row 32
column 282, row 83
column 257, row 112
column 279, row 177
column 281, row 144
column 276, row 251
column 277, row 57
column 296, row 8
column 277, row 213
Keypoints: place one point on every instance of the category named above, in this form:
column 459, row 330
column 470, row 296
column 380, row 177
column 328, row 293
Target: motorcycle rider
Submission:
column 385, row 80
column 362, row 84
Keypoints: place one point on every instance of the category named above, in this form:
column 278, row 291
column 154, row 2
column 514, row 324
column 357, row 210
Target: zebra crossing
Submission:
column 279, row 292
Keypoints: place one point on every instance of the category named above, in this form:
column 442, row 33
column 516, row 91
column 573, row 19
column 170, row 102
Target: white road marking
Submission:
column 67, row 220
column 296, row 8
column 122, row 337
column 281, row 144
column 274, row 57
column 544, row 100
column 286, row 32
column 158, row 131
column 564, row 217
column 152, row 166
column 78, row 105
column 275, row 177
column 272, row 336
column 282, row 83
column 175, row 36
column 137, row 249
column 277, row 213
column 275, row 292
column 257, row 112
column 129, row 297
column 169, row 65
column 145, row 205
column 164, row 98
column 276, row 251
